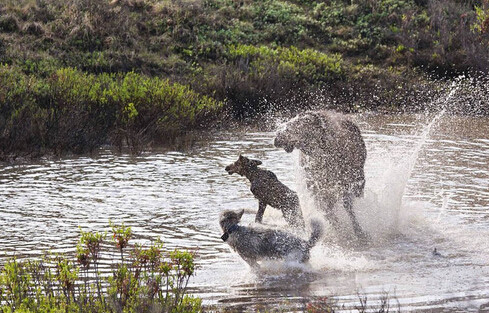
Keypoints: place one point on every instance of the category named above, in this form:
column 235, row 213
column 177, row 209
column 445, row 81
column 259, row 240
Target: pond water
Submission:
column 427, row 187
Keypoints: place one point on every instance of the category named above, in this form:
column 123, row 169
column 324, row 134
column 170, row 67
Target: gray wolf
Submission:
column 258, row 243
column 266, row 187
column 333, row 156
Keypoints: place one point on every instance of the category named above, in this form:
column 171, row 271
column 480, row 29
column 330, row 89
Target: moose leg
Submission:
column 293, row 214
column 348, row 204
column 261, row 210
column 327, row 205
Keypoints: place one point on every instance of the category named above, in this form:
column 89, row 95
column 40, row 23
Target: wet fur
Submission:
column 333, row 156
column 266, row 187
column 257, row 243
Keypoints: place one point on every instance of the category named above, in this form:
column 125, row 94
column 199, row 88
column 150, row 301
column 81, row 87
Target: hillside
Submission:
column 237, row 57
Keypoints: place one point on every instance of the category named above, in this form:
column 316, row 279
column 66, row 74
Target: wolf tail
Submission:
column 316, row 232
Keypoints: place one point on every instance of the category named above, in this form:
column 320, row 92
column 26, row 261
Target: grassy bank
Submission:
column 148, row 70
column 175, row 37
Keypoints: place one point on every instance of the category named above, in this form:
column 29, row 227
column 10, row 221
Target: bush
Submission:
column 9, row 23
column 281, row 22
column 259, row 77
column 152, row 108
column 305, row 65
column 74, row 112
column 22, row 125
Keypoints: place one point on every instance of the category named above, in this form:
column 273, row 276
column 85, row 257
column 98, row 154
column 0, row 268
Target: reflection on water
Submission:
column 178, row 196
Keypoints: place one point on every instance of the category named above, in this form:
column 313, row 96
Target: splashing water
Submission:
column 390, row 200
column 384, row 212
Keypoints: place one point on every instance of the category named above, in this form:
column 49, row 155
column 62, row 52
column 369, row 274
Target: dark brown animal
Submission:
column 333, row 156
column 258, row 243
column 269, row 191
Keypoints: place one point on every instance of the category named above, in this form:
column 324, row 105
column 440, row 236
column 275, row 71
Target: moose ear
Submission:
column 241, row 157
column 240, row 214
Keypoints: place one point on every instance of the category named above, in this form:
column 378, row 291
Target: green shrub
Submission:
column 151, row 108
column 21, row 120
column 75, row 112
column 151, row 280
column 482, row 24
column 306, row 65
column 280, row 22
column 258, row 78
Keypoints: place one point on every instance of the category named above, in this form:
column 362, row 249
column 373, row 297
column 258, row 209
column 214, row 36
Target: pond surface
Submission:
column 427, row 187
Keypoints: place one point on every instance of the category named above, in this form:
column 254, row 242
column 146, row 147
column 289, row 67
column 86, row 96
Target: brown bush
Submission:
column 33, row 28
column 443, row 40
column 9, row 23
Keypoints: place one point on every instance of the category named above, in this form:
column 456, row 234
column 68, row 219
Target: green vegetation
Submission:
column 303, row 66
column 150, row 280
column 75, row 112
column 173, row 37
column 77, row 74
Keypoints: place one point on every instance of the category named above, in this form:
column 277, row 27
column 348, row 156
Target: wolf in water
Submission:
column 266, row 187
column 258, row 243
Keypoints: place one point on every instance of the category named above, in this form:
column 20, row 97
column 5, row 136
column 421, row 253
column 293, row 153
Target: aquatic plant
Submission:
column 121, row 235
column 151, row 279
column 331, row 305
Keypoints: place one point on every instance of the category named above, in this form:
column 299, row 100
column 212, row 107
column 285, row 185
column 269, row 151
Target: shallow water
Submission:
column 426, row 187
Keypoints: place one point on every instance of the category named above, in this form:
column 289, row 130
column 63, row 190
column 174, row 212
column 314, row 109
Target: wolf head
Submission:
column 229, row 218
column 242, row 165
